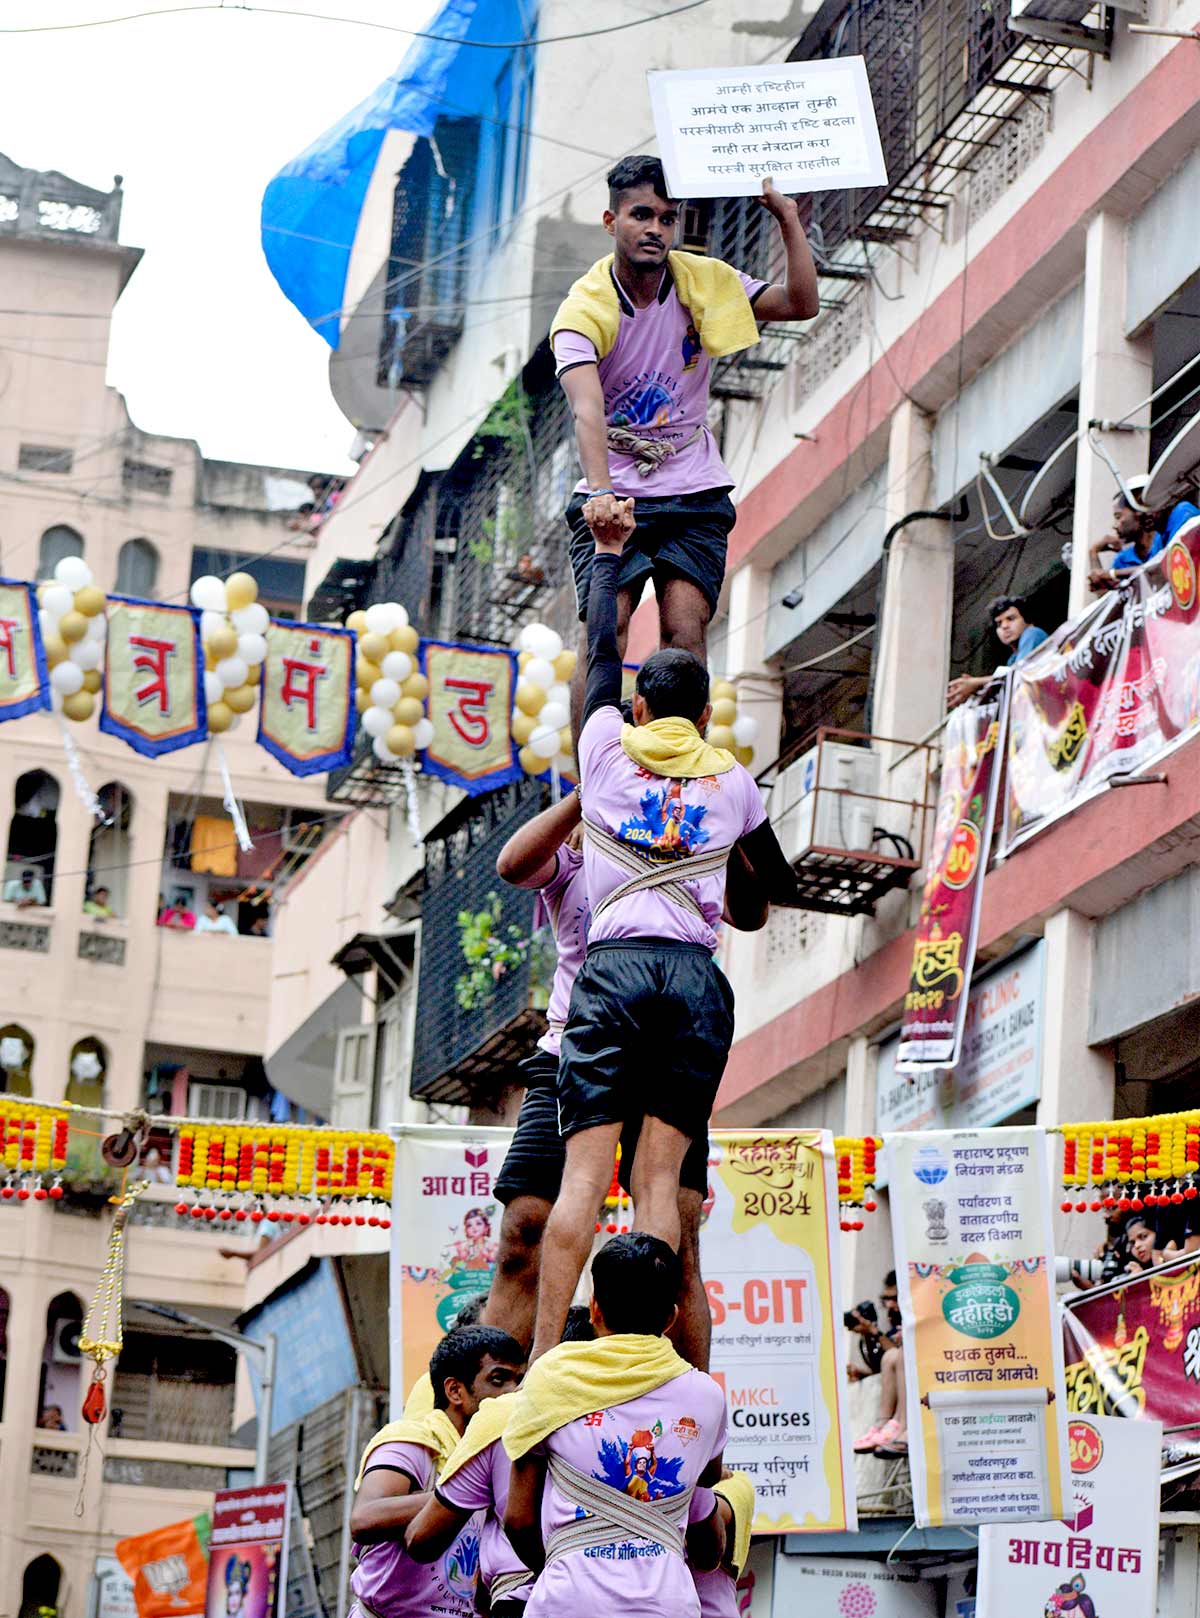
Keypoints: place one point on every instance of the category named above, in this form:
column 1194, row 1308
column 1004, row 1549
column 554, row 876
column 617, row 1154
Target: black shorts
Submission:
column 678, row 536
column 648, row 1035
column 693, row 1175
column 534, row 1165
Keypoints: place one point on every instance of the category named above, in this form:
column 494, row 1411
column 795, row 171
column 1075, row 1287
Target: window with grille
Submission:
column 44, row 458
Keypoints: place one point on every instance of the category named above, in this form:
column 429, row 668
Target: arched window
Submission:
column 56, row 543
column 41, row 1588
column 32, row 840
column 16, row 1060
column 86, row 1169
column 108, row 854
column 59, row 1389
column 137, row 568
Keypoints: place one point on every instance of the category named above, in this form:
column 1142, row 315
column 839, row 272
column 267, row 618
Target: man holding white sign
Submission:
column 634, row 342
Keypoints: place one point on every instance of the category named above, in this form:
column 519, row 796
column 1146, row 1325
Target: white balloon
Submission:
column 252, row 649
column 86, row 654
column 208, row 593
column 251, row 620
column 544, row 741
column 524, row 640
column 47, row 624
column 97, row 629
column 545, row 642
column 565, row 764
column 538, row 671
column 58, row 598
column 232, row 672
column 213, row 689
column 385, row 694
column 377, row 721
column 382, row 751
column 381, row 618
column 210, row 623
column 559, row 693
column 74, row 572
column 397, row 666
column 745, row 730
column 555, row 714
column 423, row 733
column 67, row 678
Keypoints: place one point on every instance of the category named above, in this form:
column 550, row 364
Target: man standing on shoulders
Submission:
column 634, row 342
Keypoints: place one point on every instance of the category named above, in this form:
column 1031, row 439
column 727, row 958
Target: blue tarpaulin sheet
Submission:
column 310, row 210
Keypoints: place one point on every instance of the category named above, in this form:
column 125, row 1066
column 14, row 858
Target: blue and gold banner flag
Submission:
column 306, row 713
column 24, row 682
column 469, row 703
column 153, row 676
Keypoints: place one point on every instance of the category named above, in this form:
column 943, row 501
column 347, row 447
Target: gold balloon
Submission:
column 253, row 673
column 723, row 690
column 56, row 650
column 72, row 626
column 79, row 705
column 89, row 601
column 724, row 712
column 373, row 647
column 357, row 622
column 744, row 756
column 362, row 700
column 523, row 658
column 240, row 699
column 523, row 727
column 531, row 698
column 220, row 717
column 240, row 591
column 366, row 673
column 531, row 763
column 408, row 711
column 222, row 642
column 415, row 686
column 564, row 665
column 404, row 639
column 721, row 736
column 401, row 740
column 92, row 680
column 566, row 745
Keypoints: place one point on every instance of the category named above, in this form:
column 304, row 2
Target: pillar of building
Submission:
column 1115, row 373
column 866, row 1254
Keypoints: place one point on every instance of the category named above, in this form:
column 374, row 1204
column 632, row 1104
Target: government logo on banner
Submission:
column 306, row 714
column 24, row 681
column 153, row 676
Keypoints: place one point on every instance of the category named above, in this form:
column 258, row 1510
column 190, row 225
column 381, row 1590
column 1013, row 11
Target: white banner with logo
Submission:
column 1104, row 1558
column 853, row 1587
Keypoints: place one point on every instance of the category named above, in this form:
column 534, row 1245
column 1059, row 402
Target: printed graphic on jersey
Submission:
column 666, row 828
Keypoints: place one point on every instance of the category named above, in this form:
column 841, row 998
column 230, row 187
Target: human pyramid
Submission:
column 592, row 1482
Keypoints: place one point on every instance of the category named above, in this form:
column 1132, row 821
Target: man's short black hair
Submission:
column 636, row 1280
column 674, row 684
column 999, row 604
column 889, row 1279
column 470, row 1312
column 632, row 172
column 579, row 1328
column 461, row 1353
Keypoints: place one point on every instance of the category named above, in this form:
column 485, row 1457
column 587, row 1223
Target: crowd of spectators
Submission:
column 1138, row 537
column 179, row 916
column 1137, row 1239
column 880, row 1354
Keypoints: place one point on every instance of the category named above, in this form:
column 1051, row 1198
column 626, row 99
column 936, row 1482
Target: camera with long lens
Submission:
column 866, row 1309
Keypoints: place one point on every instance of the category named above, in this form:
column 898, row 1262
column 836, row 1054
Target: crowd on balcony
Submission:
column 1138, row 536
column 1137, row 1237
column 179, row 915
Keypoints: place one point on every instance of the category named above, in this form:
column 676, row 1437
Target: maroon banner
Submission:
column 1107, row 693
column 935, row 1006
column 1134, row 1349
column 247, row 1561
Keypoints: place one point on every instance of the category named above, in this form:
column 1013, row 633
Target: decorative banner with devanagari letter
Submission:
column 306, row 716
column 24, row 683
column 469, row 703
column 153, row 676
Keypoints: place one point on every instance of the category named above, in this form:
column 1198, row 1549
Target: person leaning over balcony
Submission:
column 650, row 1021
column 25, row 890
column 634, row 342
column 97, row 906
column 1012, row 629
column 215, row 920
column 1138, row 537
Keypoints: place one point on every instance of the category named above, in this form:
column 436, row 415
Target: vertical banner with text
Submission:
column 306, row 714
column 469, row 706
column 24, row 681
column 983, row 1359
column 935, row 1006
column 247, row 1566
column 153, row 676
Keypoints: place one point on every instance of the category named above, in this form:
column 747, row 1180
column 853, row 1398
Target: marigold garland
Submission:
column 1131, row 1163
column 286, row 1161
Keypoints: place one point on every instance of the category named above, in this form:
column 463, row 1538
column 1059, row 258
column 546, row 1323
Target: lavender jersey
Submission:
column 564, row 903
column 664, row 820
column 649, row 1448
column 482, row 1485
column 717, row 1594
column 655, row 380
column 387, row 1579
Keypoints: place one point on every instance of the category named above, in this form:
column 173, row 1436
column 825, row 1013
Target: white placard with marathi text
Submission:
column 810, row 126
column 852, row 1587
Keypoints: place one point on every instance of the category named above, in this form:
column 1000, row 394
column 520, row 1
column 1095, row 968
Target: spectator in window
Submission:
column 25, row 890
column 1013, row 630
column 50, row 1419
column 882, row 1355
column 259, row 926
column 97, row 906
column 178, row 915
column 1138, row 537
column 214, row 920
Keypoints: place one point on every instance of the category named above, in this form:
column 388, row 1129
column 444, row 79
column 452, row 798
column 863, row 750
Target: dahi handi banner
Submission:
column 24, row 681
column 1133, row 1347
column 469, row 703
column 1106, row 694
column 153, row 676
column 1104, row 1558
column 983, row 1359
column 944, row 952
column 766, row 1254
column 306, row 712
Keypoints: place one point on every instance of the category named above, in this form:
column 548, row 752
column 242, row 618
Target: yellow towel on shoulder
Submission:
column 574, row 1379
column 434, row 1432
column 674, row 748
column 711, row 290
column 738, row 1491
column 420, row 1397
column 484, row 1428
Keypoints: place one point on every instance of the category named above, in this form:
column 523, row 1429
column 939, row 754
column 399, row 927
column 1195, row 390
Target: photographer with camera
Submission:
column 882, row 1356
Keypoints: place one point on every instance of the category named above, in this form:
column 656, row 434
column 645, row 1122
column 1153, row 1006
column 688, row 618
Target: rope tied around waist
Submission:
column 612, row 1515
column 667, row 879
column 648, row 453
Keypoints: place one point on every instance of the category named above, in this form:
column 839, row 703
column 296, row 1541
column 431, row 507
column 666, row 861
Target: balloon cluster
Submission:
column 74, row 627
column 541, row 719
column 233, row 628
column 725, row 729
column 391, row 689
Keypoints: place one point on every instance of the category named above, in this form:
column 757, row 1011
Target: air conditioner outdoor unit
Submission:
column 65, row 1348
column 844, row 818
